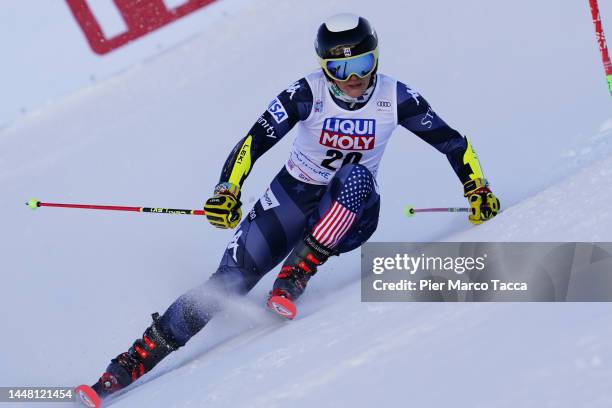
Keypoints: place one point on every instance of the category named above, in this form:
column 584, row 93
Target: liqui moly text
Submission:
column 349, row 134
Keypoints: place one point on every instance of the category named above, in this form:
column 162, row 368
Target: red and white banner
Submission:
column 140, row 17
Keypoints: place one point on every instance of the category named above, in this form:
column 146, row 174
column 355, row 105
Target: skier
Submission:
column 323, row 202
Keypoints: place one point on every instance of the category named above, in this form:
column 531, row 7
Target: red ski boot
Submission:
column 127, row 367
column 295, row 273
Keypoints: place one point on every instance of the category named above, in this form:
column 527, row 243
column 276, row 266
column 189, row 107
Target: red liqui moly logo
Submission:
column 110, row 24
column 349, row 134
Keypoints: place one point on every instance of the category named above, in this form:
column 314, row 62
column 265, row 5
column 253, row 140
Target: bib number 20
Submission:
column 333, row 155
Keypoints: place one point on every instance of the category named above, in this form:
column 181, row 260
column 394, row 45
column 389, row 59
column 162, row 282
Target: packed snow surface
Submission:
column 522, row 79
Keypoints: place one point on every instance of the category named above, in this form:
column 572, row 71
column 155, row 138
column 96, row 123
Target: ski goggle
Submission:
column 341, row 69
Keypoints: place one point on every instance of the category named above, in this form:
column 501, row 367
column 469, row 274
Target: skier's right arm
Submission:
column 283, row 113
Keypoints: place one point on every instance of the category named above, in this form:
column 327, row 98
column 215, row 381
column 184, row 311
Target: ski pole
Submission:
column 601, row 40
column 410, row 211
column 34, row 204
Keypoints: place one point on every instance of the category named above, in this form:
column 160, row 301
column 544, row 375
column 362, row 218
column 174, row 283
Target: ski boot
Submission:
column 295, row 273
column 127, row 367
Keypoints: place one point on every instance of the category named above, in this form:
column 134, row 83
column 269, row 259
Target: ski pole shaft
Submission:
column 410, row 211
column 34, row 204
column 601, row 41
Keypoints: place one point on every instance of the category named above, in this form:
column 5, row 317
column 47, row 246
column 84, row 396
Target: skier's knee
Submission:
column 350, row 167
column 356, row 176
column 360, row 172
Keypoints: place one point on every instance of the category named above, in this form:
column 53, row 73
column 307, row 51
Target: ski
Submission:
column 87, row 396
column 282, row 307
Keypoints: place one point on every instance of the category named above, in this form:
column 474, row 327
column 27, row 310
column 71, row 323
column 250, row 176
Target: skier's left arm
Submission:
column 416, row 115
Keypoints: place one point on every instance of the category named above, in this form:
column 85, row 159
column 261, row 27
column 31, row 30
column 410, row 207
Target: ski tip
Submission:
column 282, row 307
column 87, row 396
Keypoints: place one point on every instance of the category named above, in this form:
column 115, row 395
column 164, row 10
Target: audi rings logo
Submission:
column 383, row 104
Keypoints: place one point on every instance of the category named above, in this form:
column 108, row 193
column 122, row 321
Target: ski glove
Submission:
column 483, row 203
column 223, row 208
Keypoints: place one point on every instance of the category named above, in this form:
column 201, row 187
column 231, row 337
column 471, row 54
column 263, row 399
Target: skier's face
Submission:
column 355, row 86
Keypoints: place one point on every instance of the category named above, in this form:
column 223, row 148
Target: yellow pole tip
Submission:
column 409, row 211
column 33, row 203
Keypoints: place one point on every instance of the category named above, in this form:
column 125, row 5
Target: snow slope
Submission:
column 78, row 287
